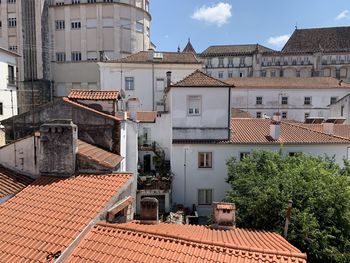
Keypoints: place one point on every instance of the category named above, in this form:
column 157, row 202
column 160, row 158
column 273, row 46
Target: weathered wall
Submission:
column 92, row 128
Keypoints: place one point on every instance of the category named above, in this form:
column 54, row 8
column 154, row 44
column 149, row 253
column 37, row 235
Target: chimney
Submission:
column 224, row 215
column 168, row 79
column 58, row 148
column 149, row 211
column 150, row 54
column 328, row 127
column 275, row 126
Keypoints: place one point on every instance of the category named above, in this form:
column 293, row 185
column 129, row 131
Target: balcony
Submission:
column 12, row 81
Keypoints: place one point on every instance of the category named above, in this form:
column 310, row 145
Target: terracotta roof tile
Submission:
column 200, row 79
column 79, row 105
column 134, row 242
column 287, row 83
column 168, row 58
column 50, row 213
column 189, row 47
column 98, row 155
column 341, row 130
column 94, row 95
column 146, row 116
column 11, row 182
column 232, row 50
column 257, row 131
column 332, row 39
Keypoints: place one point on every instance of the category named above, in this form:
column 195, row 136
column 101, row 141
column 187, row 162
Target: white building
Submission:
column 295, row 98
column 144, row 76
column 8, row 87
column 204, row 137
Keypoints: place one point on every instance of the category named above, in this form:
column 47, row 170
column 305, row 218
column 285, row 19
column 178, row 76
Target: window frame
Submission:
column 194, row 113
column 307, row 100
column 258, row 100
column 284, row 100
column 333, row 100
column 129, row 79
column 207, row 160
column 207, row 201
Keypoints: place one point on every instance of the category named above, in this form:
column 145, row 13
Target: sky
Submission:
column 228, row 22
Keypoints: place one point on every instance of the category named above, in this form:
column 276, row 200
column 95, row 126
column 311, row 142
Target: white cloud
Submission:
column 217, row 14
column 342, row 15
column 278, row 41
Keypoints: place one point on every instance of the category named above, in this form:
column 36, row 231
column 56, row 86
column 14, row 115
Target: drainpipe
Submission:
column 153, row 85
column 229, row 113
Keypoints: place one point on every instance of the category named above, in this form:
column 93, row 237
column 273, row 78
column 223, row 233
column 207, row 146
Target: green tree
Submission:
column 263, row 182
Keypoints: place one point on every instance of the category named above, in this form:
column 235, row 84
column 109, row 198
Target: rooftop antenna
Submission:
column 178, row 49
column 296, row 25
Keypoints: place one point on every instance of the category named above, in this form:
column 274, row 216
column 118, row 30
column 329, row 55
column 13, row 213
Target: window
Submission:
column 230, row 62
column 60, row 24
column 11, row 75
column 1, row 109
column 11, row 1
column 194, row 105
column 139, row 27
column 76, row 56
column 334, row 100
column 258, row 114
column 273, row 74
column 221, row 74
column 92, row 56
column 306, row 115
column 284, row 115
column 230, row 74
column 147, row 6
column 307, row 100
column 75, row 24
column 125, row 23
column 298, row 73
column 129, row 83
column 241, row 75
column 342, row 111
column 205, row 160
column 107, row 22
column 284, row 101
column 13, row 48
column 91, row 1
column 0, row 23
column 108, row 1
column 205, row 196
column 75, row 2
column 60, row 56
column 243, row 155
column 259, row 100
column 160, row 84
column 241, row 61
column 91, row 23
column 263, row 73
column 59, row 2
column 221, row 62
column 147, row 31
column 12, row 22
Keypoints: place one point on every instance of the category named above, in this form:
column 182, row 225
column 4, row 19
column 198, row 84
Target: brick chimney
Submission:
column 275, row 126
column 224, row 215
column 58, row 148
column 149, row 211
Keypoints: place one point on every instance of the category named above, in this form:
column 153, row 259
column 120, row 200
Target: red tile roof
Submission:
column 341, row 130
column 94, row 95
column 287, row 83
column 200, row 79
column 79, row 105
column 50, row 213
column 168, row 58
column 98, row 155
column 11, row 182
column 146, row 116
column 257, row 131
column 134, row 242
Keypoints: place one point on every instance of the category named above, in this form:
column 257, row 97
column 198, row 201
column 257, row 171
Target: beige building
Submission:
column 86, row 31
column 308, row 53
column 59, row 41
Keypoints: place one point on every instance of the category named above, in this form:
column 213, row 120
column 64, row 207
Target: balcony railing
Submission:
column 12, row 81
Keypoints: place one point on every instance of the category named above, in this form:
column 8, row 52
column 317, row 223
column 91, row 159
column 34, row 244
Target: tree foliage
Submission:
column 263, row 182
